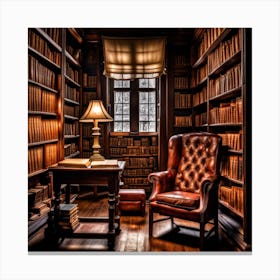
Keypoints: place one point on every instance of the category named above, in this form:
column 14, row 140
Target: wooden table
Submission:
column 109, row 176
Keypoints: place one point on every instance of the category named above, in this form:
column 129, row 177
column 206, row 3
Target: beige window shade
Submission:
column 131, row 58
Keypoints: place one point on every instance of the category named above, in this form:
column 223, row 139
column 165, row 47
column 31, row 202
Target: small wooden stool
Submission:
column 132, row 200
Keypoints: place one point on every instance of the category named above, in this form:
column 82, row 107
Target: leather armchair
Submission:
column 188, row 189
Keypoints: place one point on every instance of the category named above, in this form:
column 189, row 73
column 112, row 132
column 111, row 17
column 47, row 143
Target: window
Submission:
column 135, row 104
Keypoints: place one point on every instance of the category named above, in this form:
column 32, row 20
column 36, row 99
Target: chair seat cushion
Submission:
column 180, row 199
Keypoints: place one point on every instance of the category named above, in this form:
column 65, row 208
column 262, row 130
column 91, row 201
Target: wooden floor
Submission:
column 134, row 235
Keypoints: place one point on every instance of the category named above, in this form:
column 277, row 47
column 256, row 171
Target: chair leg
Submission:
column 151, row 216
column 201, row 236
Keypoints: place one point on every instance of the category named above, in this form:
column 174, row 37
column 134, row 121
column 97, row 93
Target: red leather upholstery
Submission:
column 132, row 200
column 188, row 189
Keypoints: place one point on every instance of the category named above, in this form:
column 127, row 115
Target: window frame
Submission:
column 134, row 90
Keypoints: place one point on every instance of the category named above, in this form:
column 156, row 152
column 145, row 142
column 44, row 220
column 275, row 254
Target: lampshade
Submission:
column 96, row 111
column 131, row 58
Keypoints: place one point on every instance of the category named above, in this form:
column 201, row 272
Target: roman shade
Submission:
column 131, row 58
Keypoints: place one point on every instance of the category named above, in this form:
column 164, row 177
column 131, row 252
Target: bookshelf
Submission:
column 140, row 152
column 72, row 90
column 54, row 75
column 44, row 93
column 221, row 86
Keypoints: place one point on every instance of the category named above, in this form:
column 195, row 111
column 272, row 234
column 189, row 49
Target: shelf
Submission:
column 71, row 81
column 225, row 124
column 36, row 173
column 72, row 60
column 71, row 136
column 134, row 134
column 235, row 181
column 42, row 143
column 43, row 58
column 226, row 65
column 42, row 86
column 233, row 93
column 49, row 39
column 49, row 114
column 70, row 101
column 214, row 44
column 233, row 210
column 71, row 118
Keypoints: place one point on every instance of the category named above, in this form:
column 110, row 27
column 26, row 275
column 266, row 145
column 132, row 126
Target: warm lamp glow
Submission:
column 95, row 113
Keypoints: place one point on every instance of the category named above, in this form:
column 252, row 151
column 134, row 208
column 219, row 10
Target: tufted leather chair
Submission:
column 188, row 189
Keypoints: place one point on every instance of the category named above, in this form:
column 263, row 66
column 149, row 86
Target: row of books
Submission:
column 180, row 60
column 200, row 119
column 181, row 82
column 71, row 128
column 137, row 172
column 130, row 141
column 50, row 154
column 225, row 51
column 70, row 149
column 183, row 121
column 71, row 110
column 54, row 33
column 68, row 217
column 41, row 100
column 41, row 157
column 200, row 96
column 135, row 181
column 229, row 112
column 232, row 196
column 72, row 73
column 72, row 93
column 35, row 159
column 182, row 100
column 89, row 80
column 199, row 74
column 228, row 81
column 232, row 166
column 232, row 140
column 41, row 129
column 42, row 46
column 39, row 73
column 140, row 162
column 209, row 36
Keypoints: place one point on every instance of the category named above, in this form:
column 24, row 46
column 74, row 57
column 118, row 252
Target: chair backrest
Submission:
column 194, row 157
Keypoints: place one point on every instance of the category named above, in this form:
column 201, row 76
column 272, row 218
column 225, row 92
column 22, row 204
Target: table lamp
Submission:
column 96, row 113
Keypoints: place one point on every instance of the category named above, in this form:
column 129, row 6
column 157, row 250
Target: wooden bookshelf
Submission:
column 140, row 152
column 72, row 91
column 54, row 75
column 221, row 70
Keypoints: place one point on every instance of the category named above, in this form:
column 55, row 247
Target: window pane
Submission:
column 143, row 109
column 126, row 117
column 118, row 108
column 125, row 108
column 126, row 127
column 121, row 84
column 117, row 126
column 143, row 118
column 152, row 97
column 126, row 97
column 147, row 83
column 118, row 117
column 144, row 97
column 152, row 126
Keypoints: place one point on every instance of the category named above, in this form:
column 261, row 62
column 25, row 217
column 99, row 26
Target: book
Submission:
column 75, row 162
column 105, row 163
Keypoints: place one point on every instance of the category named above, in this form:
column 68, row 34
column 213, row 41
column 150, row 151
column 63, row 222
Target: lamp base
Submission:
column 96, row 157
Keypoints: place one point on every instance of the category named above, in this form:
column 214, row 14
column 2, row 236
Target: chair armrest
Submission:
column 161, row 182
column 209, row 194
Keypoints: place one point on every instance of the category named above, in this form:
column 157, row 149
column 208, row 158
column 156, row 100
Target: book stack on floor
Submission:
column 38, row 201
column 69, row 219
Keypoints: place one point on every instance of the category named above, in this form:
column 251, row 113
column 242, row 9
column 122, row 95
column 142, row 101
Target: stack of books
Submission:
column 69, row 219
